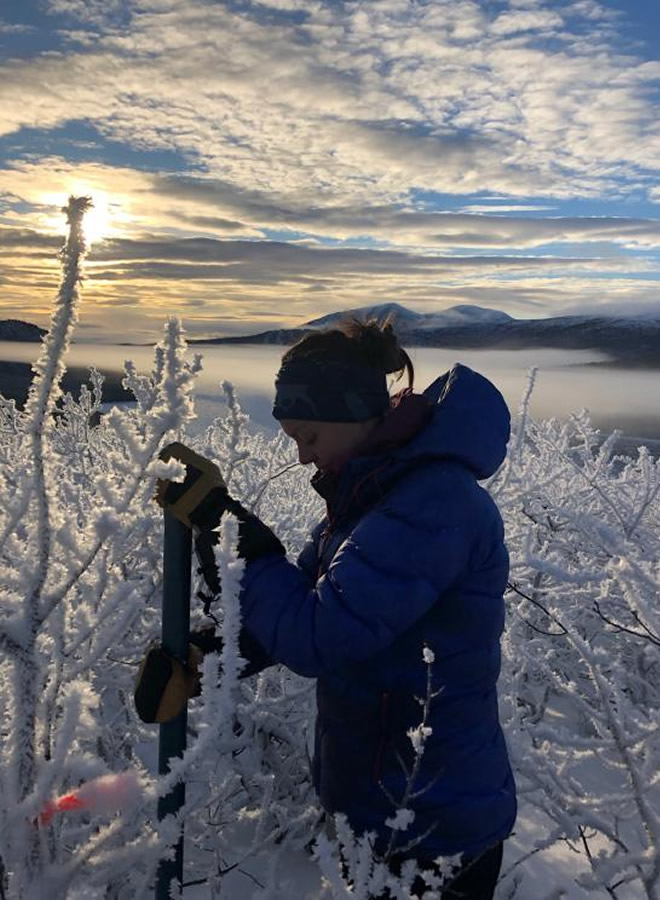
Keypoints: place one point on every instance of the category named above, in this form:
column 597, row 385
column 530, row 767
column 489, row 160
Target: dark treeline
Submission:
column 16, row 377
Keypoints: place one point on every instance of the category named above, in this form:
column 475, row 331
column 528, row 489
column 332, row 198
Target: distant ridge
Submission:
column 16, row 378
column 15, row 330
column 405, row 319
column 633, row 343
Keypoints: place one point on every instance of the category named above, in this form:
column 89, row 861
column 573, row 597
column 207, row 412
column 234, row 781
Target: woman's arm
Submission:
column 387, row 574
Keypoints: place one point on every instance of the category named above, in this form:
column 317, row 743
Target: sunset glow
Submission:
column 315, row 157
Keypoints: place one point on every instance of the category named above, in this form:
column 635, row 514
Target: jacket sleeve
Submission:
column 387, row 574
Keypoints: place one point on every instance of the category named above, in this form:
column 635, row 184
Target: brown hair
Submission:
column 362, row 341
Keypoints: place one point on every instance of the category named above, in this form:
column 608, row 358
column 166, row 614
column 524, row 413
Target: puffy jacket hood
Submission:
column 461, row 416
column 470, row 423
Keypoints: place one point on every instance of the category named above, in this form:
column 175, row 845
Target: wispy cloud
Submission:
column 215, row 285
column 9, row 28
column 142, row 202
column 515, row 21
column 497, row 208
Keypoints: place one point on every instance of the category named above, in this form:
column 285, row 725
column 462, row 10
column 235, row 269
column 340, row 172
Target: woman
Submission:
column 411, row 555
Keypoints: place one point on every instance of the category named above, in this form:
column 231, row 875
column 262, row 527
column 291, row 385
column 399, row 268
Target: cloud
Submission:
column 274, row 262
column 288, row 282
column 142, row 202
column 96, row 12
column 590, row 9
column 137, row 201
column 626, row 307
column 359, row 101
column 498, row 208
column 9, row 28
column 27, row 239
column 514, row 22
column 288, row 5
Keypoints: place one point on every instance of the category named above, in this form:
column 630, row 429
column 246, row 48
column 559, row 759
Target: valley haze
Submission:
column 630, row 342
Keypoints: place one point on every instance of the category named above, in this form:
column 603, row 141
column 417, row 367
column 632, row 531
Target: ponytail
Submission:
column 362, row 342
column 379, row 346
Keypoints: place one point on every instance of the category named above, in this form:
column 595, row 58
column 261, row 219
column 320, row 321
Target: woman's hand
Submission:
column 201, row 498
column 165, row 684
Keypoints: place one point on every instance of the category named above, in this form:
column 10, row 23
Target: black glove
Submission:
column 164, row 684
column 248, row 647
column 255, row 539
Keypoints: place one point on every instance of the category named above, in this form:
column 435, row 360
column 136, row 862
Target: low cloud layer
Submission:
column 230, row 287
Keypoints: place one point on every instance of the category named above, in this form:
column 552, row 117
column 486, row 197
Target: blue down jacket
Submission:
column 412, row 555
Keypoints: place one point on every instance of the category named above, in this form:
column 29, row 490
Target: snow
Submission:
column 80, row 585
column 418, row 736
column 401, row 820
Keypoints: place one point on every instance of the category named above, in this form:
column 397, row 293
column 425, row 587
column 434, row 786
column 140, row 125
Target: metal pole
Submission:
column 177, row 557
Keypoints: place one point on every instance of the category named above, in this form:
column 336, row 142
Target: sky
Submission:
column 255, row 165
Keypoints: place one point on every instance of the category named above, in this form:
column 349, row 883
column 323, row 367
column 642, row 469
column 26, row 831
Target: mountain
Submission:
column 15, row 330
column 399, row 315
column 631, row 343
column 16, row 378
column 465, row 314
column 628, row 342
column 405, row 319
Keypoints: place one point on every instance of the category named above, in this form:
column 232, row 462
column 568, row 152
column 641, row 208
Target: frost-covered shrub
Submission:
column 581, row 684
column 80, row 585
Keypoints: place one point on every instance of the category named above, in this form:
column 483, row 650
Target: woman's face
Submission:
column 322, row 443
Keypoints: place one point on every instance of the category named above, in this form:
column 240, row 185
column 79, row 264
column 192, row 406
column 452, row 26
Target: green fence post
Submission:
column 177, row 557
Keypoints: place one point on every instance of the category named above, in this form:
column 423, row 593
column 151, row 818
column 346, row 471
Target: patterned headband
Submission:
column 329, row 391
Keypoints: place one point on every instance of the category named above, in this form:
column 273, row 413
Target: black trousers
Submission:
column 475, row 880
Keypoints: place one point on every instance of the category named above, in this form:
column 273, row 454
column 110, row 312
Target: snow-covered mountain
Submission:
column 465, row 314
column 399, row 314
column 632, row 342
column 405, row 319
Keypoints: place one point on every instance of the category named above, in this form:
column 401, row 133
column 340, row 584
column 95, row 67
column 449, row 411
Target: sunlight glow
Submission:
column 100, row 222
column 96, row 224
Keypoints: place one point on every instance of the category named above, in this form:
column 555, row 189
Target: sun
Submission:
column 97, row 223
column 100, row 221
